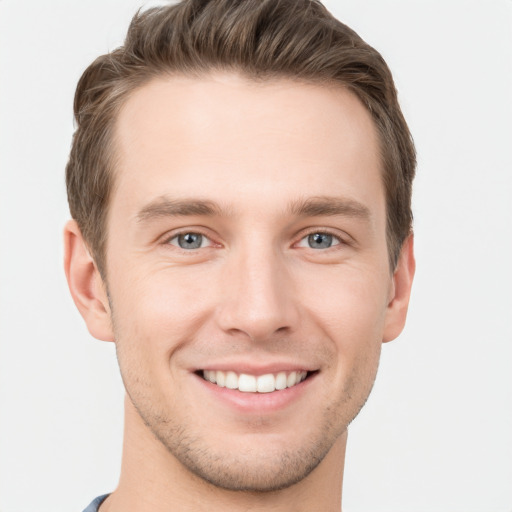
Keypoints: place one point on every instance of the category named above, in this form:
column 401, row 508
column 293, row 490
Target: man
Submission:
column 240, row 184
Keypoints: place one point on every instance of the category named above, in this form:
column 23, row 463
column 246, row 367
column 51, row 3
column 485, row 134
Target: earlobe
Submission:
column 85, row 284
column 401, row 291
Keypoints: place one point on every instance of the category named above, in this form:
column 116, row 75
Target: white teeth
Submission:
column 247, row 383
column 291, row 380
column 251, row 384
column 209, row 375
column 231, row 380
column 221, row 379
column 266, row 383
column 281, row 380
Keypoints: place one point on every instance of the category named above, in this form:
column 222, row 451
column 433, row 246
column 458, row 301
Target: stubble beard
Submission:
column 253, row 470
column 250, row 470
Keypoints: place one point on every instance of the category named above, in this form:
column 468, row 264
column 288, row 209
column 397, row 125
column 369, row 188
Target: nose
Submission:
column 258, row 296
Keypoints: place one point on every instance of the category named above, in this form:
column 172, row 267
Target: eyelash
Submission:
column 320, row 231
column 168, row 239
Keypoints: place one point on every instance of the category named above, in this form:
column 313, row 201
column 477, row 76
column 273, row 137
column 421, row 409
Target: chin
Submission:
column 258, row 463
column 254, row 473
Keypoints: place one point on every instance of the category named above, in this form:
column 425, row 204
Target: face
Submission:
column 247, row 271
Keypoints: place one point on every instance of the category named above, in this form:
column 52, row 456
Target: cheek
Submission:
column 351, row 312
column 350, row 304
column 156, row 311
column 150, row 320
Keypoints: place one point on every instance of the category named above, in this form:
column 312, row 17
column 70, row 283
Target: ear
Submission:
column 400, row 291
column 86, row 285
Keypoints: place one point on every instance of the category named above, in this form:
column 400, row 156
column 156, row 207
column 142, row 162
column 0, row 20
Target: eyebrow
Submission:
column 165, row 207
column 330, row 206
column 317, row 206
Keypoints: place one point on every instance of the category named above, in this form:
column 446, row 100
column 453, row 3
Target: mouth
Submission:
column 247, row 383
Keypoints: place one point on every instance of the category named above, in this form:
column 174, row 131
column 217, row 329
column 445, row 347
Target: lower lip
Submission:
column 257, row 402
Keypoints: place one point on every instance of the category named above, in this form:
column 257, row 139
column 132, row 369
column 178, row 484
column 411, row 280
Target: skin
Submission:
column 275, row 162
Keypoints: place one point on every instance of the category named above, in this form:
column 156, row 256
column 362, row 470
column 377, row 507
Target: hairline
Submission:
column 149, row 75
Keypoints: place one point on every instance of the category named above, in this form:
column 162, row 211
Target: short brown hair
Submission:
column 264, row 40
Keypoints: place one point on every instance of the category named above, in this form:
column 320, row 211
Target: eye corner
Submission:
column 320, row 239
column 188, row 240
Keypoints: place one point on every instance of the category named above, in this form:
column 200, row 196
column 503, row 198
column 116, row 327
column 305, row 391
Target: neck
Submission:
column 153, row 480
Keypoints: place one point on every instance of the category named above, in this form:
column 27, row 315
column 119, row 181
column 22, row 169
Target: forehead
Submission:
column 234, row 137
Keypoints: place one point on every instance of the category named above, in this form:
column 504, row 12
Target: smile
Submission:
column 246, row 383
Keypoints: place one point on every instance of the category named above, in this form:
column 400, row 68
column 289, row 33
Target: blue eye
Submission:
column 319, row 241
column 190, row 241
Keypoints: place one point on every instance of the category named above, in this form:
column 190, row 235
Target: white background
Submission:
column 436, row 434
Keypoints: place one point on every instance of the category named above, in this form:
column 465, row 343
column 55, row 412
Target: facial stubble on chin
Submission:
column 251, row 471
